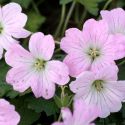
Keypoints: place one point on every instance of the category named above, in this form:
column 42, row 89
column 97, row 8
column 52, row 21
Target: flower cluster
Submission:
column 91, row 55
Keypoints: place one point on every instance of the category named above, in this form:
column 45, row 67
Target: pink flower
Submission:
column 116, row 26
column 115, row 20
column 83, row 114
column 90, row 49
column 33, row 69
column 101, row 89
column 8, row 115
column 12, row 21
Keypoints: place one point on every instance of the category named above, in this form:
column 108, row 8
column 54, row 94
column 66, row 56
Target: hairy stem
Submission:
column 68, row 16
column 61, row 20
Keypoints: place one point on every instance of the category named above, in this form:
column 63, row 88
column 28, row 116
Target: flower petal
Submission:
column 20, row 33
column 7, row 41
column 77, row 64
column 8, row 115
column 71, row 42
column 115, row 19
column 42, row 86
column 42, row 46
column 19, row 78
column 82, row 112
column 57, row 72
column 17, row 56
column 105, row 75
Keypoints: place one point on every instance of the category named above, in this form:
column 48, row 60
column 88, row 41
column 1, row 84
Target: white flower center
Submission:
column 39, row 64
column 98, row 85
column 93, row 53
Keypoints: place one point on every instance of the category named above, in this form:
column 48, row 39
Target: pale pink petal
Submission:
column 71, row 42
column 67, row 116
column 8, row 115
column 66, row 113
column 17, row 56
column 82, row 112
column 95, row 27
column 102, row 106
column 119, row 46
column 82, row 82
column 19, row 78
column 112, row 97
column 108, row 73
column 17, row 20
column 12, row 15
column 7, row 41
column 42, row 86
column 42, row 46
column 77, row 64
column 115, row 19
column 20, row 33
column 58, row 72
column 11, row 8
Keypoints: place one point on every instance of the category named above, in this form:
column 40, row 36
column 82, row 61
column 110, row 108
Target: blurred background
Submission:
column 54, row 17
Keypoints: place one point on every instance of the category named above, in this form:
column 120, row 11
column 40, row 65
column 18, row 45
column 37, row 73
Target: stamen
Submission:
column 93, row 53
column 98, row 85
column 39, row 64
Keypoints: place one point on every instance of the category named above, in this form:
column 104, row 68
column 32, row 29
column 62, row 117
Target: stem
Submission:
column 61, row 20
column 70, row 101
column 106, row 4
column 82, row 18
column 56, row 42
column 59, row 118
column 35, row 7
column 68, row 16
column 57, row 50
column 121, row 63
column 77, row 14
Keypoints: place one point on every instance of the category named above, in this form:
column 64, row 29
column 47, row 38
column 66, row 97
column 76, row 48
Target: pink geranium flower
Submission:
column 82, row 115
column 33, row 69
column 116, row 26
column 12, row 21
column 8, row 115
column 115, row 20
column 89, row 49
column 101, row 89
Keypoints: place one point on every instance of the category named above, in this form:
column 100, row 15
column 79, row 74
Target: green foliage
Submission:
column 65, row 102
column 28, row 116
column 90, row 5
column 5, row 89
column 24, row 3
column 65, row 1
column 35, row 20
column 39, row 105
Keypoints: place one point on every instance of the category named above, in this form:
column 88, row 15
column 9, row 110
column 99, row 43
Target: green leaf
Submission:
column 64, row 102
column 121, row 73
column 58, row 101
column 28, row 116
column 39, row 105
column 65, row 1
column 24, row 3
column 35, row 21
column 5, row 89
column 91, row 5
